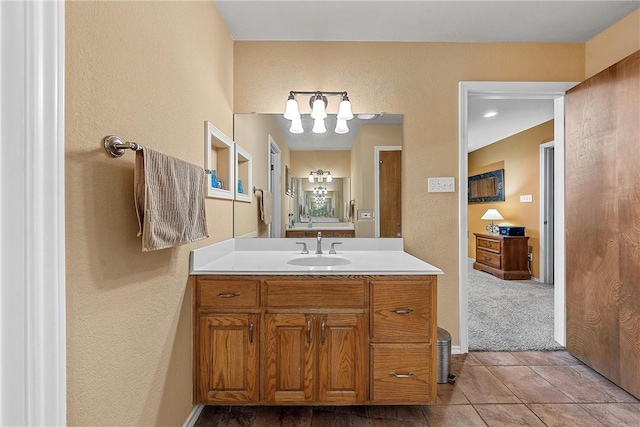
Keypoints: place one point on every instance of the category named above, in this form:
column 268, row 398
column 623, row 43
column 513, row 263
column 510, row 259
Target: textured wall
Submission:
column 519, row 156
column 419, row 80
column 152, row 73
column 613, row 44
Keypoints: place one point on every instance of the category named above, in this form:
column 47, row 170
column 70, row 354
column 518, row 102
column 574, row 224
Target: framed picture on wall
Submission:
column 486, row 187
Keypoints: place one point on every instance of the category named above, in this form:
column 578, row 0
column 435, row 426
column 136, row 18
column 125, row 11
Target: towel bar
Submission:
column 255, row 190
column 114, row 146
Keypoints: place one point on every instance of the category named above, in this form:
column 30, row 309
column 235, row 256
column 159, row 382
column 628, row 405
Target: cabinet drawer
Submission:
column 401, row 373
column 488, row 258
column 402, row 311
column 225, row 294
column 488, row 244
column 316, row 294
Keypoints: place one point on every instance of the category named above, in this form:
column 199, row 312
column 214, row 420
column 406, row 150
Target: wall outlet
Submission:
column 365, row 215
column 441, row 184
column 530, row 256
column 527, row 198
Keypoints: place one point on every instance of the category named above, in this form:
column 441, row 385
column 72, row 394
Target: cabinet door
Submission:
column 290, row 346
column 342, row 359
column 228, row 358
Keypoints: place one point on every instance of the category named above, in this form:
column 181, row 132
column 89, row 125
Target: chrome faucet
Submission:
column 319, row 246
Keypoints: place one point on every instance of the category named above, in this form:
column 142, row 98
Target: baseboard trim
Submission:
column 193, row 416
column 456, row 349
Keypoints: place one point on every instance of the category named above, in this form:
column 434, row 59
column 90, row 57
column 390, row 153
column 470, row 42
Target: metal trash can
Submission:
column 443, row 364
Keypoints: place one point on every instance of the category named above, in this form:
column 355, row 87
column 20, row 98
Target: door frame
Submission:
column 376, row 183
column 543, row 207
column 275, row 186
column 33, row 376
column 512, row 90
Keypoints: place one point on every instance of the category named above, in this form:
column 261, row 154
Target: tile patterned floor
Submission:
column 492, row 389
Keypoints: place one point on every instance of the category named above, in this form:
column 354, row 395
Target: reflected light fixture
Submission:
column 492, row 215
column 320, row 176
column 490, row 114
column 318, row 103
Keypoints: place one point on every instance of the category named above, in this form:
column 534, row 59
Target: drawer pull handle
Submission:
column 308, row 331
column 250, row 331
column 401, row 310
column 323, row 335
column 487, row 244
column 233, row 295
column 407, row 375
column 486, row 258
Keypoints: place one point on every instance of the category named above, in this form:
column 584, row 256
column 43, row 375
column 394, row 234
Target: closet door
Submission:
column 603, row 222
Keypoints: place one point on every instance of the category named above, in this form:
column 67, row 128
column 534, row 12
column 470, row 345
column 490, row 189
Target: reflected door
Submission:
column 390, row 199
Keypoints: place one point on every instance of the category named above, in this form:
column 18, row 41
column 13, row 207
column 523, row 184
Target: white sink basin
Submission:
column 319, row 261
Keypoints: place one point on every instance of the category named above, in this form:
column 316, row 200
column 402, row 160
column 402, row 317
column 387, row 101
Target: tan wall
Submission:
column 613, row 44
column 419, row 80
column 151, row 73
column 337, row 162
column 251, row 132
column 362, row 177
column 519, row 156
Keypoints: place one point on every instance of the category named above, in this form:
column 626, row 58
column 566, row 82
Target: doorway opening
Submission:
column 275, row 187
column 513, row 90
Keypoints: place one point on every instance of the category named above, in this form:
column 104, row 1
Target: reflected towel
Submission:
column 264, row 204
column 169, row 198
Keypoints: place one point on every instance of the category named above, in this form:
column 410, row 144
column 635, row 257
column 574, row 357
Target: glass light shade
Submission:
column 329, row 178
column 318, row 111
column 344, row 110
column 296, row 125
column 310, row 177
column 341, row 126
column 318, row 125
column 291, row 110
column 492, row 214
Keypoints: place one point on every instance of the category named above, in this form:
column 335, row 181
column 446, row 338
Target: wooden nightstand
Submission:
column 503, row 256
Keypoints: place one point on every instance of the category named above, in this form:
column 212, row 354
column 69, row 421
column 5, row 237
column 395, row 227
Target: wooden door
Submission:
column 290, row 349
column 228, row 358
column 343, row 365
column 389, row 196
column 602, row 217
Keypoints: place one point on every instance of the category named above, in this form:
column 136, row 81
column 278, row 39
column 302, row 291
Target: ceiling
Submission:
column 426, row 21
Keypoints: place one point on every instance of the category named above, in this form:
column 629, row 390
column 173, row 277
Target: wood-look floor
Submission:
column 491, row 389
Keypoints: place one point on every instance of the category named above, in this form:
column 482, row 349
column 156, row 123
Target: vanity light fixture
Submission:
column 318, row 103
column 320, row 190
column 320, row 176
column 492, row 215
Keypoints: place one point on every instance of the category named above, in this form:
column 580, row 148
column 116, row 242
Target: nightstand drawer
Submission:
column 488, row 244
column 488, row 258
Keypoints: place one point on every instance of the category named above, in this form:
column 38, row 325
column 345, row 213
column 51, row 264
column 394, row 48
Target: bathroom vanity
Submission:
column 274, row 326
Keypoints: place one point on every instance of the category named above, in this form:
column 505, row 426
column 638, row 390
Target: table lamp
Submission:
column 492, row 215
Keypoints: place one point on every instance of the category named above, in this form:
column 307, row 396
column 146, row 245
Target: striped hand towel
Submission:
column 169, row 199
column 264, row 204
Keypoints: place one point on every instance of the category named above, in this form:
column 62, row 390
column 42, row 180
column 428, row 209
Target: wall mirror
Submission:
column 282, row 160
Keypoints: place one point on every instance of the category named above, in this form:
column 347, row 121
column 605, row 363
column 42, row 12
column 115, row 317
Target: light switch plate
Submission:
column 441, row 184
column 526, row 198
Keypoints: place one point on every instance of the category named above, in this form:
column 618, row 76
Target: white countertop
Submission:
column 270, row 256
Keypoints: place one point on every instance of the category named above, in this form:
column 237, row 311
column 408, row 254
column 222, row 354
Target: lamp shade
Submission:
column 291, row 110
column 296, row 125
column 310, row 177
column 344, row 110
column 492, row 214
column 341, row 126
column 318, row 110
column 318, row 126
column 329, row 179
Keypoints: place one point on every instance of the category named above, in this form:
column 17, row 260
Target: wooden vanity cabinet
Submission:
column 226, row 340
column 403, row 334
column 314, row 339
